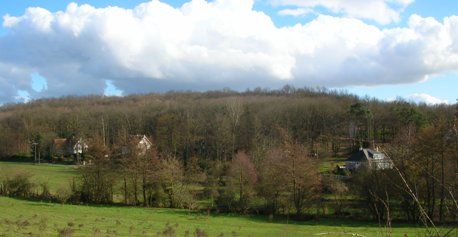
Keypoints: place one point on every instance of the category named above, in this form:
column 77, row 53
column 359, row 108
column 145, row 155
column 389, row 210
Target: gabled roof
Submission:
column 363, row 155
column 60, row 141
column 359, row 156
column 140, row 139
column 371, row 153
column 71, row 145
column 139, row 142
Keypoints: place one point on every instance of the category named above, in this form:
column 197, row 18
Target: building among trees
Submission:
column 370, row 158
column 67, row 147
column 140, row 143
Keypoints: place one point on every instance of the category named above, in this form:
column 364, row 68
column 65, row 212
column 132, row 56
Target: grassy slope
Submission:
column 18, row 218
column 57, row 177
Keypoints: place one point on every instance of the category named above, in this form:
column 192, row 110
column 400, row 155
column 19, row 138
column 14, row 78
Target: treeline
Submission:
column 214, row 125
column 256, row 151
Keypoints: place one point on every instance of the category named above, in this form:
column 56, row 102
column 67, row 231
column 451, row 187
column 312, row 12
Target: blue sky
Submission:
column 382, row 48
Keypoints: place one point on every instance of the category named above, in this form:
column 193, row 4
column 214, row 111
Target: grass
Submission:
column 57, row 177
column 328, row 164
column 19, row 218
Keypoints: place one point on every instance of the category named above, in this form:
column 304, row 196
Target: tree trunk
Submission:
column 441, row 205
column 144, row 189
column 125, row 190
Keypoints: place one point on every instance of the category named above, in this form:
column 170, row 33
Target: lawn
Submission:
column 328, row 164
column 57, row 177
column 29, row 218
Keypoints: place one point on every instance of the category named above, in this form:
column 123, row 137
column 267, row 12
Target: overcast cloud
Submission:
column 208, row 45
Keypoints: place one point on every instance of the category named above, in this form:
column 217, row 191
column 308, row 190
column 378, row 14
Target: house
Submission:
column 68, row 147
column 79, row 147
column 370, row 158
column 59, row 147
column 140, row 142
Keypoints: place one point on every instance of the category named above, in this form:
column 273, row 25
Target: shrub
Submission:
column 45, row 194
column 18, row 186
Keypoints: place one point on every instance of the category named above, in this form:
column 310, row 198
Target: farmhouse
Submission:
column 370, row 158
column 141, row 143
column 68, row 147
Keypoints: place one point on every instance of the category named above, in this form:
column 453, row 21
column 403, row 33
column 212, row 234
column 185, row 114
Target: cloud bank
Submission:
column 207, row 45
column 381, row 11
column 425, row 98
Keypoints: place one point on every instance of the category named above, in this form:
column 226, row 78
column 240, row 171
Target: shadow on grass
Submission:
column 322, row 221
column 40, row 204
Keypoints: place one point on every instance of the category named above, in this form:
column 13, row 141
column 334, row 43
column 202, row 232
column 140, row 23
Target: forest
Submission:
column 259, row 151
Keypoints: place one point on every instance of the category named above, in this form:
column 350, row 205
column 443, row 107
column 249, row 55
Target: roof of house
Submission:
column 64, row 143
column 140, row 139
column 362, row 155
column 60, row 142
column 357, row 156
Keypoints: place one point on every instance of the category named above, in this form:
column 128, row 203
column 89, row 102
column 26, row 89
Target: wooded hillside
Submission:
column 214, row 125
column 252, row 151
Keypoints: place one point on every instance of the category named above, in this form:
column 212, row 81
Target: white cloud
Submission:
column 381, row 11
column 295, row 12
column 22, row 96
column 425, row 98
column 208, row 45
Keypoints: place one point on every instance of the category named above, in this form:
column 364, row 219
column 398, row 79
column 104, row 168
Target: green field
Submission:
column 28, row 218
column 57, row 177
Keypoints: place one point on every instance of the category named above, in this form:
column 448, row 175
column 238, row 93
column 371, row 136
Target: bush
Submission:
column 226, row 201
column 45, row 194
column 18, row 186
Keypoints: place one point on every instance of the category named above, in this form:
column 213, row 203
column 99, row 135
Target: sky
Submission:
column 384, row 49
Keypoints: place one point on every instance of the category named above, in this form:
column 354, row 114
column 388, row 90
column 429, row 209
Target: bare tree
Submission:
column 242, row 174
column 235, row 110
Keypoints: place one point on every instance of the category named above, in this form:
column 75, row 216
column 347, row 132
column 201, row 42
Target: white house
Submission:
column 67, row 147
column 79, row 147
column 140, row 142
column 368, row 157
column 143, row 145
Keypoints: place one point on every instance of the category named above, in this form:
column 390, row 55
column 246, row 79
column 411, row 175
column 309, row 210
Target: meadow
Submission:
column 30, row 218
column 57, row 177
column 33, row 218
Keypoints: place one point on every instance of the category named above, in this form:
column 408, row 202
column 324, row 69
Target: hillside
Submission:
column 270, row 152
column 213, row 125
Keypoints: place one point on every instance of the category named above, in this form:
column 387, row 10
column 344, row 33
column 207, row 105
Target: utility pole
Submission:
column 78, row 148
column 103, row 131
column 35, row 152
column 455, row 130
